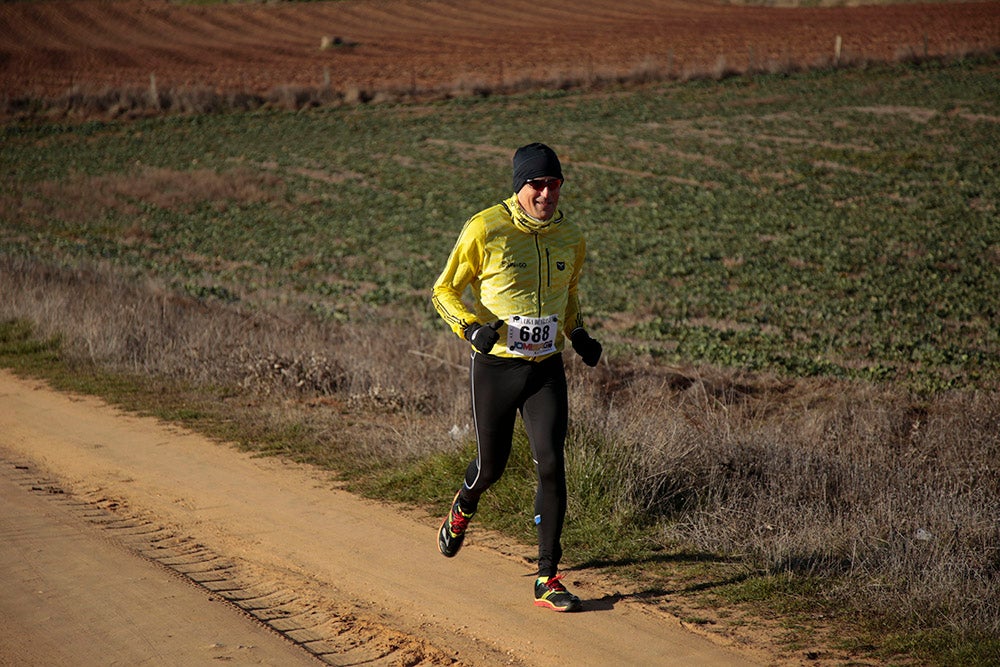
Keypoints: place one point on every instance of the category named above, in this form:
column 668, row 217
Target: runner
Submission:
column 521, row 259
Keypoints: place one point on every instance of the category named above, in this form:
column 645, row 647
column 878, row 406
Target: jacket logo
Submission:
column 510, row 263
column 561, row 266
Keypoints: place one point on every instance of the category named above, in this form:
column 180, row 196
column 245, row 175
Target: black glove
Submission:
column 588, row 348
column 483, row 337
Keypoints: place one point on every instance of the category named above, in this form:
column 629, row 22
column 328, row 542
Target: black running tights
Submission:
column 500, row 389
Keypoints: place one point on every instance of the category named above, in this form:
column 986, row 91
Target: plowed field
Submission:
column 46, row 48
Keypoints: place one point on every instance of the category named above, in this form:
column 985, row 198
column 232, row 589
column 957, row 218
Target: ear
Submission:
column 496, row 325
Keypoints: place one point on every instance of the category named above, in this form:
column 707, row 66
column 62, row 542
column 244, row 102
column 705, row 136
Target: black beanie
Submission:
column 534, row 161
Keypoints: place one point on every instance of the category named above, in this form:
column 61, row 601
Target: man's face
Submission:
column 539, row 196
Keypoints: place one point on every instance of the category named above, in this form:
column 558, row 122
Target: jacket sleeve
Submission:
column 463, row 268
column 574, row 318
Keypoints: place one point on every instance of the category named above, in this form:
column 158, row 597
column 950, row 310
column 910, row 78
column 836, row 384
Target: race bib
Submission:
column 532, row 336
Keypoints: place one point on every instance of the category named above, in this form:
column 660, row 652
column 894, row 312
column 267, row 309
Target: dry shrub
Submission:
column 294, row 98
column 91, row 102
column 138, row 326
column 895, row 495
column 88, row 102
column 194, row 100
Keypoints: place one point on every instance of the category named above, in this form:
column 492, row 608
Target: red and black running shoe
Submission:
column 452, row 532
column 550, row 593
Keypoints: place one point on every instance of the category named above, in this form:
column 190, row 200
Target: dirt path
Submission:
column 72, row 597
column 349, row 580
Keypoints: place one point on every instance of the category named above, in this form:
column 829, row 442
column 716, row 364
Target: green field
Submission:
column 834, row 224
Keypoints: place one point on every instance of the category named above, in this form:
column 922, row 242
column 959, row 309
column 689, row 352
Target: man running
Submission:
column 521, row 259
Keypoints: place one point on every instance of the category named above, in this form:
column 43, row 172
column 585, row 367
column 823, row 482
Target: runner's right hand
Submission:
column 483, row 338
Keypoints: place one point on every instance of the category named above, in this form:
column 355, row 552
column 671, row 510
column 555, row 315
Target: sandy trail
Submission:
column 350, row 580
column 71, row 597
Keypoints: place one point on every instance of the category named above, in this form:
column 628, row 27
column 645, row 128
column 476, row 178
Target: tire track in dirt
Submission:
column 73, row 596
column 335, row 638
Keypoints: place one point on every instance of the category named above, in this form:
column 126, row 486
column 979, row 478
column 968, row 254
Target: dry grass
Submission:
column 85, row 102
column 895, row 497
column 288, row 363
column 82, row 197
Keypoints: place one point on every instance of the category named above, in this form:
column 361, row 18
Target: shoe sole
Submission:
column 574, row 606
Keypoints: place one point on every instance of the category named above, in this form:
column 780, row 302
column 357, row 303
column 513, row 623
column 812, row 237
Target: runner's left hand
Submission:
column 588, row 348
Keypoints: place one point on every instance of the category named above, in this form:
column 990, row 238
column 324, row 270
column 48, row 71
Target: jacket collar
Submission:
column 528, row 224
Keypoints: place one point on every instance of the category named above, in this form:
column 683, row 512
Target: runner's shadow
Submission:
column 606, row 603
column 653, row 559
column 654, row 594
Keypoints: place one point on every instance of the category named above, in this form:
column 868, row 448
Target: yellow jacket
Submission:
column 516, row 267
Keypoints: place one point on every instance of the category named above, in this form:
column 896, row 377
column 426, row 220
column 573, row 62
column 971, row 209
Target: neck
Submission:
column 539, row 221
column 528, row 223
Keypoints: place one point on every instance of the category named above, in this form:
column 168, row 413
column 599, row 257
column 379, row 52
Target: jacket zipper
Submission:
column 538, row 251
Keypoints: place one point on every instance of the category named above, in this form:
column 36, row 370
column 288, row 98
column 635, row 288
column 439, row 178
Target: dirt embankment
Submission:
column 47, row 48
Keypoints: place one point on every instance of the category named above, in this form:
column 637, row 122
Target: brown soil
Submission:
column 46, row 48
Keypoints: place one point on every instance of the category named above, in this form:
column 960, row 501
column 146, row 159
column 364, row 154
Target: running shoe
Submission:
column 452, row 532
column 550, row 592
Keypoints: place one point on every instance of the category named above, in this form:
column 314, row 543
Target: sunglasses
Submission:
column 539, row 184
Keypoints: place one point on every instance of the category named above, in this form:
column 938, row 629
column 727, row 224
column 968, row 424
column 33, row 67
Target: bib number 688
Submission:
column 535, row 334
column 532, row 336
